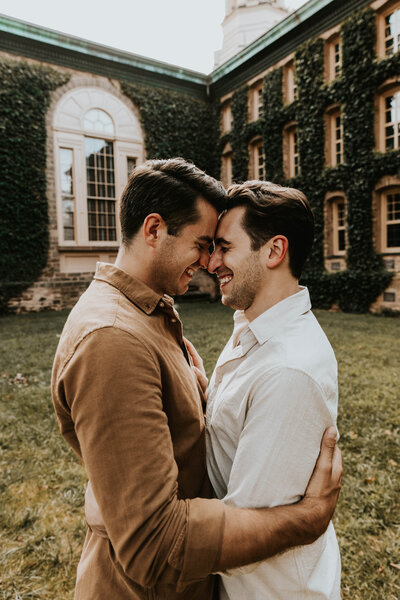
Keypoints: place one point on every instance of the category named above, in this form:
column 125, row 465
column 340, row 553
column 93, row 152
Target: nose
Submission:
column 204, row 259
column 215, row 261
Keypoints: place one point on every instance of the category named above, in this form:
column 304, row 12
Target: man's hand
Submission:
column 197, row 366
column 324, row 486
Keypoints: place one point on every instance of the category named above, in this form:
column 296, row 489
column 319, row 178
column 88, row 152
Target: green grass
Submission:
column 42, row 483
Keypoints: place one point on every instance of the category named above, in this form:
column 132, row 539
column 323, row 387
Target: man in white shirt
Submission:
column 274, row 388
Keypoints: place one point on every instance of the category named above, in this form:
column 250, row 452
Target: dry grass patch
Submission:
column 42, row 484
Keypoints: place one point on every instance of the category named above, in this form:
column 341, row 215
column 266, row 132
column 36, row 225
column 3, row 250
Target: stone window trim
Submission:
column 334, row 150
column 255, row 100
column 388, row 185
column 256, row 169
column 290, row 90
column 335, row 224
column 291, row 156
column 383, row 11
column 125, row 134
column 389, row 88
column 226, row 165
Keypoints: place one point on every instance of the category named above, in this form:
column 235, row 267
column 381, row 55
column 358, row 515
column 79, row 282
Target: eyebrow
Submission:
column 221, row 240
column 205, row 238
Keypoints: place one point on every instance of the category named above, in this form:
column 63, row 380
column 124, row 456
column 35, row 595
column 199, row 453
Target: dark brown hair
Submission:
column 270, row 210
column 170, row 188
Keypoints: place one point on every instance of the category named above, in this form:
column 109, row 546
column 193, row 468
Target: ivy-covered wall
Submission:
column 365, row 277
column 24, row 238
column 176, row 124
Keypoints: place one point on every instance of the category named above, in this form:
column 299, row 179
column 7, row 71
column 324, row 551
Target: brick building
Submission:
column 96, row 132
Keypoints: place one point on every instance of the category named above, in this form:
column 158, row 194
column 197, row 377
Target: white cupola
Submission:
column 245, row 21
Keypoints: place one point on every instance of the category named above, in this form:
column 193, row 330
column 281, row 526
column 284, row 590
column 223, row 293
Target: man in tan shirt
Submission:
column 130, row 405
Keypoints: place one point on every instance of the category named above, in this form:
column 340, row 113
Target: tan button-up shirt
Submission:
column 128, row 403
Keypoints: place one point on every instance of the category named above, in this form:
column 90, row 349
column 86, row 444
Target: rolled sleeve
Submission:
column 205, row 525
column 112, row 386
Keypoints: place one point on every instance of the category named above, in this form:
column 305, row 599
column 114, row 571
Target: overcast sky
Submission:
column 180, row 32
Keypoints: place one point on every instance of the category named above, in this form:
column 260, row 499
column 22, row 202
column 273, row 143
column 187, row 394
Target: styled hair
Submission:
column 170, row 188
column 272, row 209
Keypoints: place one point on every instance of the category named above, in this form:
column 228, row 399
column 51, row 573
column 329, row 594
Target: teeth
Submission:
column 190, row 272
column 224, row 280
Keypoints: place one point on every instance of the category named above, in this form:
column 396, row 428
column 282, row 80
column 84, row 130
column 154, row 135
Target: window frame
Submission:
column 76, row 143
column 255, row 101
column 226, row 117
column 332, row 226
column 389, row 88
column 290, row 89
column 226, row 166
column 383, row 221
column 330, row 56
column 331, row 115
column 254, row 171
column 387, row 9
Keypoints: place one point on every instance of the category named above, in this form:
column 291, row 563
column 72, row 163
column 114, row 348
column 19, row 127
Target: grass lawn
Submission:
column 42, row 484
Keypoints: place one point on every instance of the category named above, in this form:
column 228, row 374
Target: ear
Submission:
column 154, row 228
column 277, row 250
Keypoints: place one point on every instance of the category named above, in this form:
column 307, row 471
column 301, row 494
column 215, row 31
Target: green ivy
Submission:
column 365, row 277
column 272, row 125
column 177, row 124
column 238, row 137
column 24, row 237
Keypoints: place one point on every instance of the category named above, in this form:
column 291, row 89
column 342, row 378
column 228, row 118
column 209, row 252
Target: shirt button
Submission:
column 161, row 304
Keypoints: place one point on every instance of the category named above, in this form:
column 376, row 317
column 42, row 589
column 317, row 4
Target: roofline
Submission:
column 272, row 35
column 70, row 42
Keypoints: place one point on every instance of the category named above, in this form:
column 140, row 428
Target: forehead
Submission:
column 230, row 224
column 206, row 224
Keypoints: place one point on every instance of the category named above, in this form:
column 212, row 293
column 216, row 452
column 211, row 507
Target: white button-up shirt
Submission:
column 271, row 396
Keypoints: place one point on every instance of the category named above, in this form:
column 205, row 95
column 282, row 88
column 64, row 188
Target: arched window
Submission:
column 98, row 140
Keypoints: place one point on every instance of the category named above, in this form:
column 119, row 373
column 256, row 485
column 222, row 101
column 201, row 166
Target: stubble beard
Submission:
column 166, row 270
column 246, row 285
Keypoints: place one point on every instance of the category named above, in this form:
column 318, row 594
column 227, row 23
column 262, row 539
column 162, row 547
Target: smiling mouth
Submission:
column 223, row 281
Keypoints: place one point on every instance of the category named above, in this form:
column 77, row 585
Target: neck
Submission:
column 135, row 262
column 273, row 291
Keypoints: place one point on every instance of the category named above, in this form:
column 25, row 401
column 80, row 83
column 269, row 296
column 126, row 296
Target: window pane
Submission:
column 392, row 31
column 100, row 157
column 99, row 121
column 68, row 194
column 392, row 120
column 341, row 240
column 393, row 235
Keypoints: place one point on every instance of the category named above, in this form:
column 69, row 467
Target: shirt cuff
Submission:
column 205, row 528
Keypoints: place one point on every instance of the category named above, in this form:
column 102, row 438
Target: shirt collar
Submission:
column 135, row 290
column 270, row 322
